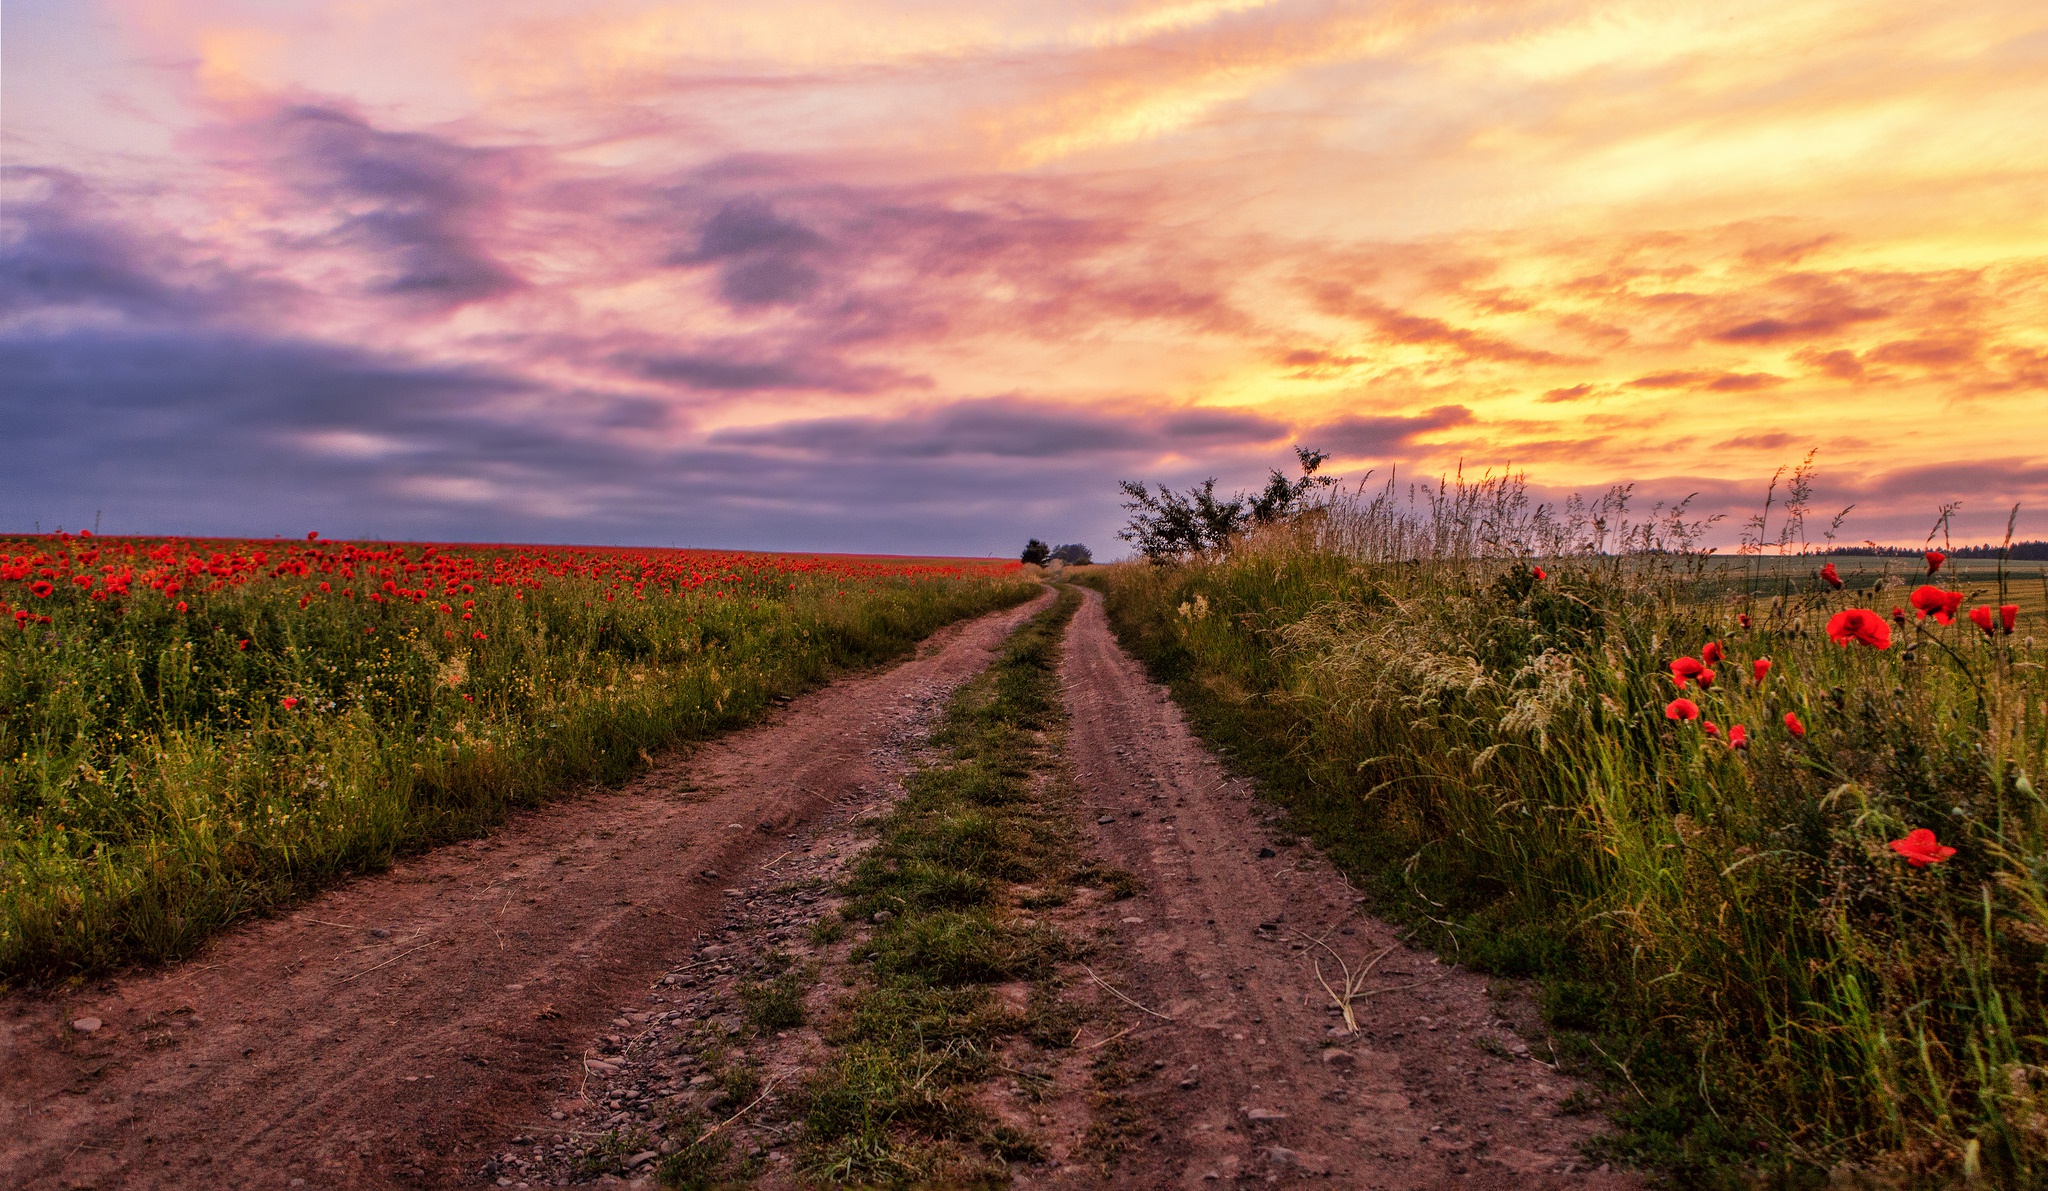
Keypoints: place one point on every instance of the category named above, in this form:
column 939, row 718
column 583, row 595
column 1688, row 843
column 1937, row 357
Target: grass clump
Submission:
column 1491, row 753
column 913, row 1041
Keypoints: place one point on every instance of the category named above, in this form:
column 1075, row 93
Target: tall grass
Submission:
column 155, row 786
column 1767, row 981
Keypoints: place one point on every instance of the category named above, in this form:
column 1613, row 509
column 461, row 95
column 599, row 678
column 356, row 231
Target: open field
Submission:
column 193, row 731
column 1763, row 977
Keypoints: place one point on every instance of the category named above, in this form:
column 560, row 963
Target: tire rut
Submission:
column 1260, row 1078
column 386, row 1032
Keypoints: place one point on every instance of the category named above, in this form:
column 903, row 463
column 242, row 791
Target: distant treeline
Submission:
column 2026, row 550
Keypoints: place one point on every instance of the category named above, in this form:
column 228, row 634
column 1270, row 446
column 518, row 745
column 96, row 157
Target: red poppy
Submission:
column 1742, row 618
column 312, row 535
column 1684, row 669
column 1711, row 653
column 1984, row 619
column 1828, row 573
column 480, row 636
column 1681, row 709
column 2008, row 616
column 1921, row 849
column 1933, row 601
column 1934, row 560
column 1705, row 678
column 1759, row 668
column 1738, row 737
column 183, row 607
column 1860, row 624
column 289, row 701
column 1793, row 725
column 1540, row 576
column 1898, row 616
column 242, row 645
column 41, row 589
column 1711, row 728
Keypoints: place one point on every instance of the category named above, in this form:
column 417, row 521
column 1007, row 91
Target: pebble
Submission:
column 1339, row 1058
column 882, row 916
column 1264, row 1114
column 641, row 1159
column 378, row 932
column 86, row 1025
column 1104, row 821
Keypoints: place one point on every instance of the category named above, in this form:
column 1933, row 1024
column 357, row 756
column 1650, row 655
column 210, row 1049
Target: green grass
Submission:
column 155, row 787
column 893, row 1103
column 1768, row 988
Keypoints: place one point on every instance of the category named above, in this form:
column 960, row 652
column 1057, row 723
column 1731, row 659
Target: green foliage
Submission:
column 1767, row 982
column 154, row 787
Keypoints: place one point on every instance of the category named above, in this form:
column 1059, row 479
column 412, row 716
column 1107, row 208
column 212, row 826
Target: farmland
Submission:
column 193, row 731
column 1796, row 915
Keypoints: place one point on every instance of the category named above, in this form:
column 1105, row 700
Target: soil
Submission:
column 544, row 1002
column 387, row 1032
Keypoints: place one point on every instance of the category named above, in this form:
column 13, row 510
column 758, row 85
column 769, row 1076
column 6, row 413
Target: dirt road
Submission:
column 1438, row 1088
column 383, row 1032
column 422, row 1026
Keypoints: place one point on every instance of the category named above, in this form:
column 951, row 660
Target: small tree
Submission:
column 1074, row 554
column 1036, row 553
column 1173, row 525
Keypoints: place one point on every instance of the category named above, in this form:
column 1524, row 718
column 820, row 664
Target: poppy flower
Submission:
column 2008, row 616
column 1705, row 678
column 1934, row 560
column 1921, row 849
column 1793, row 725
column 1984, row 619
column 1684, row 669
column 1681, row 709
column 1710, row 727
column 1759, row 668
column 1738, row 737
column 312, row 534
column 183, row 607
column 1828, row 573
column 42, row 589
column 1928, row 601
column 1742, row 618
column 1538, row 571
column 1860, row 624
column 1898, row 616
column 1712, row 653
column 242, row 645
column 480, row 636
column 289, row 702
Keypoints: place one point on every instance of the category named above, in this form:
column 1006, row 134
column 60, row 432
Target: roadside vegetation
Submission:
column 1795, row 908
column 195, row 731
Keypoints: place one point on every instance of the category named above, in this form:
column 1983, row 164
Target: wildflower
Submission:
column 479, row 636
column 1683, row 669
column 1934, row 560
column 1759, row 668
column 1898, row 616
column 21, row 617
column 1984, row 618
column 1712, row 653
column 1793, row 725
column 2008, row 616
column 1710, row 728
column 1738, row 737
column 1860, row 624
column 1681, row 709
column 312, row 534
column 1742, row 618
column 1933, row 601
column 1921, row 849
column 325, row 588
column 183, row 606
column 289, row 702
column 1706, row 679
column 1828, row 573
column 242, row 645
column 1540, row 576
column 41, row 589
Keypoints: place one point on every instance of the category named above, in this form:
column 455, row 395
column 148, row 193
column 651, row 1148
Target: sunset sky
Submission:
column 931, row 276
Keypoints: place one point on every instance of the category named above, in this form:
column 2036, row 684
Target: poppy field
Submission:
column 192, row 731
column 1769, row 831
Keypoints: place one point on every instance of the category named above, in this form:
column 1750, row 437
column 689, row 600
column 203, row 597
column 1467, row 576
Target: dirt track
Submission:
column 311, row 1048
column 381, row 1033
